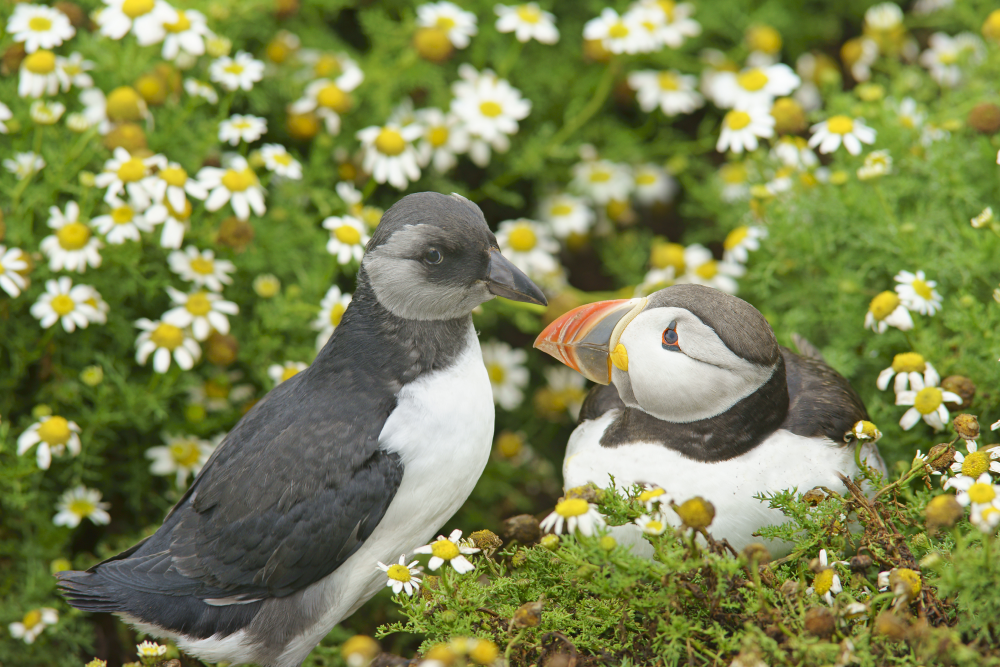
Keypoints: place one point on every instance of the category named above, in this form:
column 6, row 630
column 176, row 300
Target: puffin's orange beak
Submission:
column 585, row 338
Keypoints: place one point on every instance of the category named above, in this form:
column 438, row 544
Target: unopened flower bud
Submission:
column 359, row 650
column 485, row 539
column 967, row 426
column 608, row 543
column 860, row 563
column 789, row 117
column 943, row 512
column 432, row 44
column 963, row 386
column 820, row 622
column 588, row 492
column 813, row 497
column 550, row 542
column 483, row 651
column 941, row 456
column 221, row 349
column 522, row 528
column 696, row 513
column 985, row 118
column 755, row 552
column 125, row 104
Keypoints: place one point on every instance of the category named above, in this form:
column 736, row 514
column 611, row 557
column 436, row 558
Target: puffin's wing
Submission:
column 600, row 399
column 821, row 402
column 285, row 500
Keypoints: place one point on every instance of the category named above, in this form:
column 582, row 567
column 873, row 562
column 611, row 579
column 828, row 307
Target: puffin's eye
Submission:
column 670, row 339
column 433, row 256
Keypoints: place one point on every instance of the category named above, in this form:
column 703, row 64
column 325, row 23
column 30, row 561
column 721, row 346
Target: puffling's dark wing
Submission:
column 600, row 399
column 821, row 402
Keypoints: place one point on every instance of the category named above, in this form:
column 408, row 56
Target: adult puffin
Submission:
column 357, row 459
column 702, row 401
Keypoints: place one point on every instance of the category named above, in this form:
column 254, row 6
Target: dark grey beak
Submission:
column 506, row 280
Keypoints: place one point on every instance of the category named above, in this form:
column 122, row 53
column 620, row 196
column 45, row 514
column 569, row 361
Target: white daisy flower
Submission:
column 63, row 302
column 196, row 88
column 908, row 114
column 739, row 242
column 11, row 262
column 859, row 54
column 175, row 222
column 979, row 491
column 905, row 367
column 621, row 34
column 237, row 184
column 566, row 215
column 444, row 138
column 984, row 218
column 187, row 34
column 389, row 155
column 866, row 430
column 527, row 22
column 73, row 247
column 652, row 497
column 46, row 113
column 124, row 222
column 975, row 461
column 829, row 134
column 917, row 293
column 651, row 524
column 928, row 403
column 329, row 98
column 123, row 172
column 449, row 550
column 348, row 238
column 877, row 164
column 826, row 583
column 149, row 649
column 236, row 73
column 670, row 90
column 741, row 128
column 95, row 110
column 489, row 107
column 91, row 297
column 573, row 514
column 286, row 371
column 144, row 18
column 985, row 517
column 164, row 341
column 947, row 54
column 39, row 75
column 81, row 503
column 887, row 310
column 200, row 310
column 74, row 70
column 653, row 185
column 239, row 128
column 201, row 268
column 457, row 24
column 171, row 185
column 279, row 161
column 183, row 455
column 5, row 114
column 655, row 280
column 24, row 165
column 701, row 268
column 33, row 624
column 331, row 311
column 754, row 87
column 529, row 246
column 671, row 21
column 39, row 27
column 401, row 576
column 567, row 387
column 52, row 435
column 603, row 181
column 508, row 375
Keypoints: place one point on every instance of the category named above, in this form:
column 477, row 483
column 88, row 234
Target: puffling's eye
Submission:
column 433, row 256
column 670, row 339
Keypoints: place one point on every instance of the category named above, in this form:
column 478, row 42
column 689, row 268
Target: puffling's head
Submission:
column 682, row 354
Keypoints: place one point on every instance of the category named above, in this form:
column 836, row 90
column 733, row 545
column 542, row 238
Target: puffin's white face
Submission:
column 678, row 369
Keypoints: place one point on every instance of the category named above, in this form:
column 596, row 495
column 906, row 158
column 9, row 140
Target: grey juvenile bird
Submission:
column 702, row 401
column 359, row 458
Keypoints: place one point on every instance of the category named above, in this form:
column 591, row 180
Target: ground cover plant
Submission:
column 186, row 193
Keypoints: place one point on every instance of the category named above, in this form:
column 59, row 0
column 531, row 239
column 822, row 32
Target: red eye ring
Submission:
column 670, row 339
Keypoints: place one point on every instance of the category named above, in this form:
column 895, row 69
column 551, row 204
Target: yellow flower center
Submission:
column 399, row 573
column 840, row 125
column 922, row 289
column 233, row 68
column 282, row 158
column 668, row 81
column 737, row 120
column 948, row 57
column 72, row 69
column 490, row 109
column 288, row 373
column 185, row 453
column 572, row 507
column 132, row 170
column 708, row 270
column 167, row 336
column 667, row 7
column 63, row 305
column 203, row 266
column 496, row 373
column 823, row 582
column 522, row 238
column 446, row 23
column 529, row 14
column 510, row 444
column 73, row 236
column 445, row 549
column 438, row 136
column 327, row 65
column 347, row 234
column 40, row 62
column 182, row 23
column 332, row 97
column 122, row 215
column 883, row 305
column 39, row 24
column 390, row 142
column 600, row 176
column 134, row 8
column 198, row 304
column 618, row 31
column 910, row 579
column 654, row 526
column 175, row 176
column 560, row 210
column 55, row 431
column 909, row 362
column 336, row 314
column 668, row 254
column 733, row 174
column 31, row 619
column 981, row 493
column 975, row 464
column 238, row 181
column 645, row 178
column 736, row 237
column 928, row 400
column 651, row 494
column 752, row 80
column 764, row 38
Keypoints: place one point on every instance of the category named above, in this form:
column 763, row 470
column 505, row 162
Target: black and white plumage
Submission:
column 702, row 401
column 357, row 459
